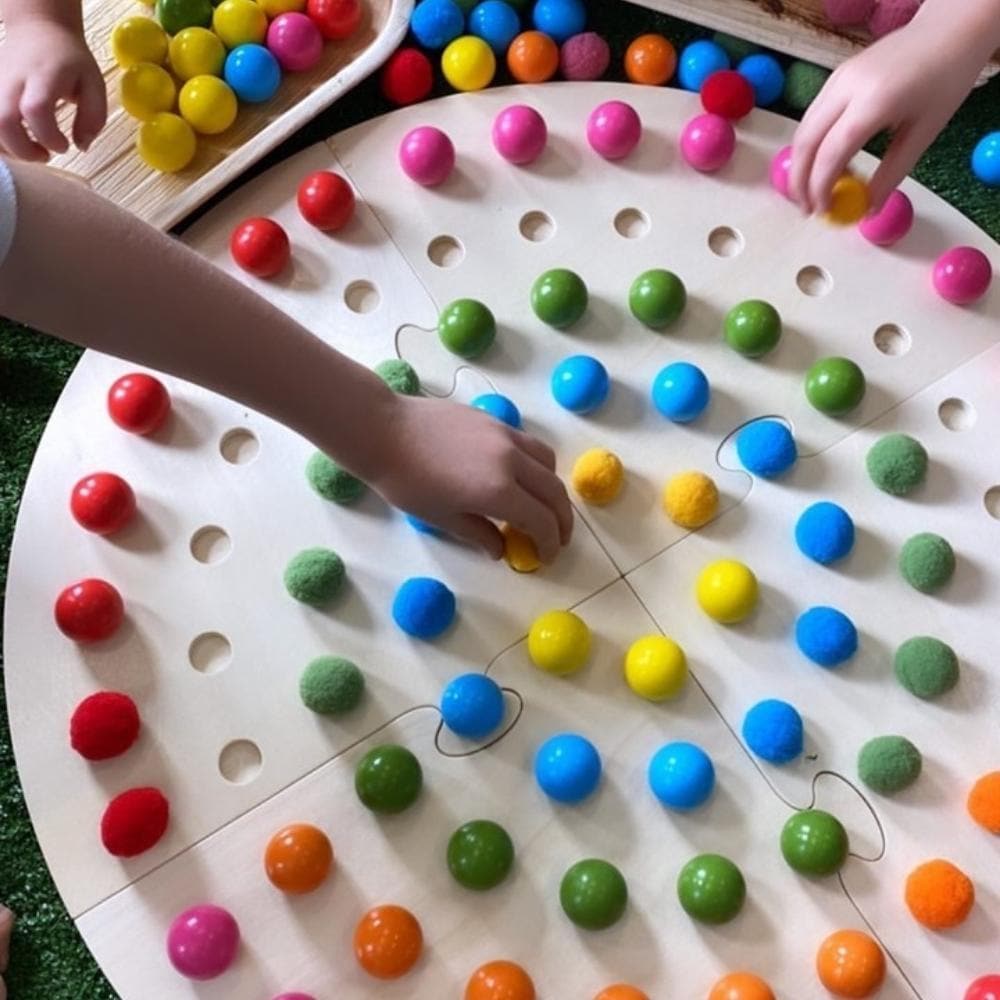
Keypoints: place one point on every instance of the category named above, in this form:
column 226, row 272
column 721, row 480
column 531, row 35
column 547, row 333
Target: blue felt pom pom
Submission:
column 826, row 636
column 766, row 448
column 824, row 532
column 423, row 607
column 772, row 730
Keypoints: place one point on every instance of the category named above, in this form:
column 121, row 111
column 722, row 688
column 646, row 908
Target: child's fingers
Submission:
column 544, row 485
column 478, row 531
column 839, row 146
column 13, row 136
column 91, row 108
column 823, row 114
column 38, row 108
column 538, row 450
column 907, row 146
column 528, row 514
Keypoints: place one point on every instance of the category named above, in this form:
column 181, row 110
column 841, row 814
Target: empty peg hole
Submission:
column 724, row 241
column 210, row 544
column 537, row 227
column 957, row 414
column 893, row 340
column 361, row 297
column 240, row 762
column 632, row 223
column 445, row 251
column 210, row 652
column 239, row 446
column 814, row 281
column 992, row 502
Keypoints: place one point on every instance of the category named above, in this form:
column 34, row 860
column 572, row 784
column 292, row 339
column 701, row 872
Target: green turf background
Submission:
column 48, row 960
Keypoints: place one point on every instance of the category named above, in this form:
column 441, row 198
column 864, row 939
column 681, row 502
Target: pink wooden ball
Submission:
column 427, row 155
column 519, row 134
column 295, row 41
column 708, row 142
column 614, row 129
column 962, row 275
column 781, row 164
column 890, row 223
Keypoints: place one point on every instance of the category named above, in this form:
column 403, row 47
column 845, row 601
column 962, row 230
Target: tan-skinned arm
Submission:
column 81, row 269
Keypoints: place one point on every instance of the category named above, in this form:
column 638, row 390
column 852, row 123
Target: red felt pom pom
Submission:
column 407, row 77
column 326, row 200
column 727, row 93
column 138, row 403
column 104, row 725
column 103, row 503
column 134, row 821
column 89, row 610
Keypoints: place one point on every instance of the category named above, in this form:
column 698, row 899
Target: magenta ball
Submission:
column 295, row 996
column 427, row 155
column 295, row 41
column 584, row 57
column 888, row 15
column 519, row 134
column 613, row 129
column 890, row 223
column 962, row 275
column 202, row 941
column 707, row 142
column 781, row 165
column 847, row 13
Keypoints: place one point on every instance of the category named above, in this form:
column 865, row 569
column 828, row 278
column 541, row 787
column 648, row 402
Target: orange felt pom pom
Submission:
column 984, row 802
column 939, row 894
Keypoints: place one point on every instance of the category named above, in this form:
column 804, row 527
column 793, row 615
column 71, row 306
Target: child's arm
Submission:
column 43, row 61
column 910, row 82
column 81, row 269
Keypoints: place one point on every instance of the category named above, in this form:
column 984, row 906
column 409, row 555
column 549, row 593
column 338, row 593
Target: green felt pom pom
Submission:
column 331, row 685
column 736, row 48
column 399, row 375
column 926, row 667
column 927, row 562
column 331, row 481
column 897, row 464
column 888, row 764
column 314, row 576
column 803, row 82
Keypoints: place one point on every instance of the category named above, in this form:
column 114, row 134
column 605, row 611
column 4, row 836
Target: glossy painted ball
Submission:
column 559, row 297
column 468, row 63
column 480, row 854
column 166, row 143
column 138, row 403
column 146, row 91
column 435, row 23
column 519, row 133
column 773, row 730
column 568, row 768
column 728, row 94
column 986, row 160
column 814, row 842
column 102, row 503
column 472, row 706
column 500, row 980
column 239, row 22
column 752, row 328
column 325, row 200
column 681, row 392
column 260, row 246
column 388, row 942
column 196, row 52
column 202, row 942
column 711, row 889
column 651, row 60
column 727, row 591
column 253, row 73
column 466, row 328
column 656, row 668
column 580, row 383
column 298, row 858
column 407, row 77
column 388, row 779
column 741, row 986
column 962, row 275
column 765, row 75
column 104, row 725
column 887, row 226
column 698, row 61
column 984, row 988
column 426, row 155
column 559, row 642
column 708, row 142
column 500, row 408
column 423, row 607
column 559, row 19
column 89, row 611
column 138, row 40
column 848, row 201
column 657, row 298
column 496, row 23
column 208, row 104
column 336, row 19
column 176, row 15
column 851, row 964
column 593, row 894
column 614, row 129
column 295, row 41
column 835, row 386
column 519, row 551
column 681, row 775
column 778, row 172
column 533, row 57
column 621, row 991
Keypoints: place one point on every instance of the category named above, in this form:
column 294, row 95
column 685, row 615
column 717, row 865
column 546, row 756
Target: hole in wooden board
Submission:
column 210, row 544
column 537, row 227
column 632, row 223
column 724, row 241
column 991, row 501
column 210, row 652
column 361, row 297
column 814, row 281
column 957, row 414
column 240, row 762
column 893, row 340
column 445, row 251
column 239, row 446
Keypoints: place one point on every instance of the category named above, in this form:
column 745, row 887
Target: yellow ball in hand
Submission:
column 468, row 63
column 166, row 143
column 691, row 499
column 727, row 591
column 239, row 22
column 848, row 201
column 519, row 550
column 655, row 667
column 196, row 52
column 147, row 90
column 559, row 642
column 138, row 40
column 598, row 476
column 208, row 104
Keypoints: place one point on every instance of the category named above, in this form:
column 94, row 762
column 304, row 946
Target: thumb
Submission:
column 478, row 531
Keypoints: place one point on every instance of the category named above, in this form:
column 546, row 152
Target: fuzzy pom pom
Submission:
column 399, row 375
column 104, row 725
column 926, row 667
column 314, row 576
column 803, row 82
column 939, row 894
column 134, row 821
column 331, row 685
column 984, row 802
column 897, row 464
column 927, row 562
column 331, row 481
column 888, row 764
column 584, row 57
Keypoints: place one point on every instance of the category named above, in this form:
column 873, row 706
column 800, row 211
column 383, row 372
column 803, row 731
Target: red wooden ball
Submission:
column 104, row 725
column 727, row 93
column 336, row 19
column 138, row 403
column 134, row 821
column 103, row 503
column 984, row 988
column 89, row 610
column 260, row 246
column 326, row 200
column 407, row 77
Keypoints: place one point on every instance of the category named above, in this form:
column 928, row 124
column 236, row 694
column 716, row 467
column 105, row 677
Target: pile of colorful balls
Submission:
column 186, row 71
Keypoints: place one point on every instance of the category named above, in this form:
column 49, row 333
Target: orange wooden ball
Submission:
column 500, row 981
column 741, row 986
column 650, row 59
column 533, row 57
column 621, row 991
column 388, row 942
column 851, row 964
column 298, row 858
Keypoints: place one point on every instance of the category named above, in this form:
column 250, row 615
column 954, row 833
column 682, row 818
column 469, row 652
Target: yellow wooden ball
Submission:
column 598, row 476
column 468, row 63
column 138, row 40
column 146, row 91
column 275, row 7
column 691, row 499
column 727, row 591
column 559, row 642
column 519, row 550
column 239, row 22
column 208, row 104
column 848, row 201
column 166, row 143
column 656, row 667
column 196, row 52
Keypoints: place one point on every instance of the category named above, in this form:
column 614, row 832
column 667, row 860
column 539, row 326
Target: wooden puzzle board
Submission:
column 377, row 288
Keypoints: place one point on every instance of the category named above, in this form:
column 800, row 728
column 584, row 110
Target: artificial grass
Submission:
column 48, row 958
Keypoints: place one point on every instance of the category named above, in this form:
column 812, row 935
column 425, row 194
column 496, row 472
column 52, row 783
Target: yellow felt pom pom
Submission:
column 598, row 476
column 559, row 642
column 519, row 550
column 655, row 667
column 848, row 201
column 691, row 499
column 727, row 591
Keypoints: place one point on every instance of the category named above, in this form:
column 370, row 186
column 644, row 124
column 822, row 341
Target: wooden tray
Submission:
column 113, row 168
column 797, row 27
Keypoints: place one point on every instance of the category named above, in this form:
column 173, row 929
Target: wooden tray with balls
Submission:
column 356, row 37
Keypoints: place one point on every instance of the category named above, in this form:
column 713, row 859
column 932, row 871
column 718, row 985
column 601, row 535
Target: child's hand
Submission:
column 457, row 468
column 41, row 64
column 910, row 82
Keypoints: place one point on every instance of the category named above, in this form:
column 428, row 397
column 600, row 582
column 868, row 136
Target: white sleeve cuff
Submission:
column 8, row 210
